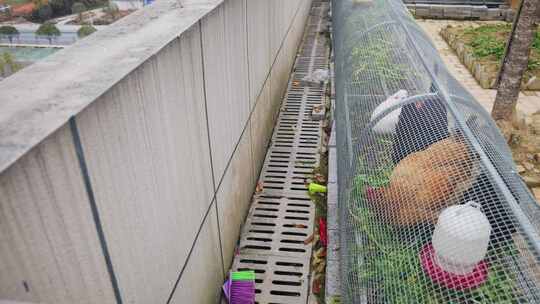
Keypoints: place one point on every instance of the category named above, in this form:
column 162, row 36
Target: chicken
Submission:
column 424, row 183
column 420, row 124
column 415, row 126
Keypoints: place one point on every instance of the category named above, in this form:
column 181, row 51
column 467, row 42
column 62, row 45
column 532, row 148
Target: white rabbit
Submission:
column 387, row 125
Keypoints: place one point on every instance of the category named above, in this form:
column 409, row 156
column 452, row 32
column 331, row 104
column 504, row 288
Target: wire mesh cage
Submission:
column 432, row 209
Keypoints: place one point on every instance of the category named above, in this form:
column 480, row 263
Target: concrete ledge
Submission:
column 43, row 46
column 333, row 274
column 41, row 98
column 156, row 165
column 333, row 282
column 459, row 12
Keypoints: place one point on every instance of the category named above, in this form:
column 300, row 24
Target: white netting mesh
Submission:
column 412, row 143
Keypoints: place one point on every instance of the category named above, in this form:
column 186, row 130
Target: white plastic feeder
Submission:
column 461, row 238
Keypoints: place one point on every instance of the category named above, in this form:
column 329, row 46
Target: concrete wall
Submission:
column 129, row 159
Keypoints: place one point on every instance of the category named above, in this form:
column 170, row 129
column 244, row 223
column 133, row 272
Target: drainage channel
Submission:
column 282, row 215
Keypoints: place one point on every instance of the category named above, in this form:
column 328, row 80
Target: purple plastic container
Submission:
column 239, row 292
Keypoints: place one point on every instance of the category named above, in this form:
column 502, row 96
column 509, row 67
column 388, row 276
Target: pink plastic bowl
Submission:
column 447, row 279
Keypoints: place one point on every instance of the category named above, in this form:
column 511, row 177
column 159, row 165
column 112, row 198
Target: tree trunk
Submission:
column 515, row 61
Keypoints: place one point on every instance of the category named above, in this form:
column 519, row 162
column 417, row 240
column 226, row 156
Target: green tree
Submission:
column 112, row 9
column 49, row 31
column 7, row 60
column 9, row 32
column 60, row 7
column 2, row 66
column 94, row 3
column 78, row 8
column 10, row 61
column 85, row 30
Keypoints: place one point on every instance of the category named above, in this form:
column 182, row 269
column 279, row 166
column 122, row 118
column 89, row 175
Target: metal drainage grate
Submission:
column 278, row 279
column 277, row 225
column 281, row 217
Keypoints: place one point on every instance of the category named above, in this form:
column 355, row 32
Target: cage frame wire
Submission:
column 526, row 225
column 524, row 222
column 530, row 233
column 528, row 228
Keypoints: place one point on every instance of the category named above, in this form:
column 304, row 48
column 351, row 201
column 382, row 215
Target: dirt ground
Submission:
column 525, row 144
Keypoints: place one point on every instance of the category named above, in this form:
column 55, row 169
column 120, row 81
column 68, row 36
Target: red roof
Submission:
column 22, row 10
